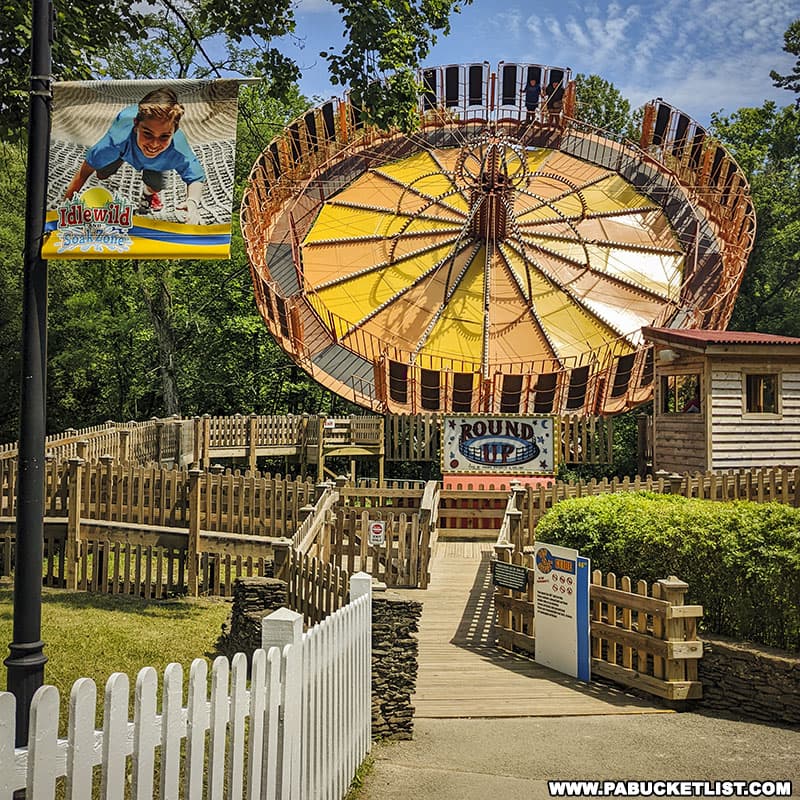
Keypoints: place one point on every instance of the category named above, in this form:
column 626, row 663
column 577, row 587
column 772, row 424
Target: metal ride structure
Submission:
column 488, row 262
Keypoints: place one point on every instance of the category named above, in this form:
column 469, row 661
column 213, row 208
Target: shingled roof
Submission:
column 699, row 338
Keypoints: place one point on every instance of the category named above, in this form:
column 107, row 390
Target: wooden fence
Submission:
column 336, row 533
column 156, row 440
column 415, row 437
column 315, row 588
column 200, row 440
column 639, row 638
column 155, row 532
column 300, row 728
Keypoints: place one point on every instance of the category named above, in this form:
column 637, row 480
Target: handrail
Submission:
column 308, row 532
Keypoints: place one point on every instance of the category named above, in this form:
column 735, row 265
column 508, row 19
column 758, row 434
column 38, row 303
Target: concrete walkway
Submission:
column 512, row 759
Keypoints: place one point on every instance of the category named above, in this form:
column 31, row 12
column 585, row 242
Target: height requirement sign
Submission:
column 516, row 445
column 561, row 600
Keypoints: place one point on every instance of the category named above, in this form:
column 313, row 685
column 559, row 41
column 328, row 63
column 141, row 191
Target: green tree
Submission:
column 94, row 38
column 387, row 41
column 601, row 104
column 791, row 39
column 765, row 141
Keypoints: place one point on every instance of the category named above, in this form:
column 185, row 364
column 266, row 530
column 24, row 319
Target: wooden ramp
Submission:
column 462, row 673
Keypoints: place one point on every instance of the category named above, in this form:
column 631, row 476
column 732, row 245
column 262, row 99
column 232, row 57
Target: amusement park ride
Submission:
column 486, row 263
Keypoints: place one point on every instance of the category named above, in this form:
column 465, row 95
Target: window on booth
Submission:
column 761, row 393
column 680, row 394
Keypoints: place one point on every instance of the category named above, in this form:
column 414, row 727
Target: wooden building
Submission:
column 724, row 400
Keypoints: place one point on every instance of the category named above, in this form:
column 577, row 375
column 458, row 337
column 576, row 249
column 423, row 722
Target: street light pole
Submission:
column 26, row 663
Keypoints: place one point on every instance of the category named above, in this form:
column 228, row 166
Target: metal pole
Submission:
column 26, row 662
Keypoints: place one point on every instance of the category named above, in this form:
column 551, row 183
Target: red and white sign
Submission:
column 377, row 533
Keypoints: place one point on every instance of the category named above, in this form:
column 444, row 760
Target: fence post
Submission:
column 177, row 433
column 515, row 528
column 107, row 461
column 205, row 449
column 193, row 546
column 284, row 629
column 673, row 591
column 252, row 442
column 72, row 544
column 124, row 444
column 81, row 449
column 360, row 585
column 159, row 446
column 280, row 550
column 197, row 432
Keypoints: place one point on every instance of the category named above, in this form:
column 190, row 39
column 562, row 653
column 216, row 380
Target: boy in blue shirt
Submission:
column 146, row 136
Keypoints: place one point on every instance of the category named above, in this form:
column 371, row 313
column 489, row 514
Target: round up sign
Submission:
column 499, row 444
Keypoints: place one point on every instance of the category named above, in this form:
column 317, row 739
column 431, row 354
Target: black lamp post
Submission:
column 26, row 662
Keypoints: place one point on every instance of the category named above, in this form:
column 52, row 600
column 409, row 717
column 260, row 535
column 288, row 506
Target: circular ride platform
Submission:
column 487, row 263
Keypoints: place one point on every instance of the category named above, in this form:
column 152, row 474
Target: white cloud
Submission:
column 698, row 54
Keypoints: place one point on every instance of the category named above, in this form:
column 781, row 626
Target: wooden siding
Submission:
column 680, row 441
column 752, row 440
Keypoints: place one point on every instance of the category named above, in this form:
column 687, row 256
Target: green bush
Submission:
column 740, row 559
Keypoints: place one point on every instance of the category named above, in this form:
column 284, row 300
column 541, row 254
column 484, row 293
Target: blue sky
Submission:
column 700, row 55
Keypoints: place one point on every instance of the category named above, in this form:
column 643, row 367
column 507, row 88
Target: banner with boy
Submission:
column 141, row 169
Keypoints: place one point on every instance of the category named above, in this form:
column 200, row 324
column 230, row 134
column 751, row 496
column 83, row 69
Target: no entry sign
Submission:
column 377, row 533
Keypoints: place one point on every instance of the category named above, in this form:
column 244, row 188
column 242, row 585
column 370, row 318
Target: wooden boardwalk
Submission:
column 462, row 673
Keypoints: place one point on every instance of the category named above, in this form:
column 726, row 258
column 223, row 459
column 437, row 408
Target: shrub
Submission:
column 740, row 559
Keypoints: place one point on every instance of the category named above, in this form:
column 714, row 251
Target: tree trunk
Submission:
column 159, row 307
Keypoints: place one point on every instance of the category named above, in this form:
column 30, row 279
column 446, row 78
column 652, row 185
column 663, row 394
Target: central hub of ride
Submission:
column 492, row 167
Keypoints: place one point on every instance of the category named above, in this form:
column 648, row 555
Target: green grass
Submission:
column 93, row 635
column 357, row 784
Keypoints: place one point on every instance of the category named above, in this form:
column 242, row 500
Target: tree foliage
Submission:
column 131, row 340
column 791, row 39
column 601, row 104
column 387, row 40
column 97, row 38
column 766, row 143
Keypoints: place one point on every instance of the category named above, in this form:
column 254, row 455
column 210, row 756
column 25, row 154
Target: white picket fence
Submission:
column 299, row 731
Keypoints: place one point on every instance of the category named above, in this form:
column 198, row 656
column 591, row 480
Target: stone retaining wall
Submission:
column 750, row 680
column 394, row 664
column 253, row 599
column 394, row 647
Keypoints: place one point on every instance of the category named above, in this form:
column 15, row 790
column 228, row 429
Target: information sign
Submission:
column 509, row 576
column 377, row 533
column 561, row 601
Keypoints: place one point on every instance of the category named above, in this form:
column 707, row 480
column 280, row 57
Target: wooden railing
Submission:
column 336, row 533
column 151, row 531
column 584, row 439
column 201, row 440
column 639, row 638
column 156, row 440
column 401, row 561
column 315, row 588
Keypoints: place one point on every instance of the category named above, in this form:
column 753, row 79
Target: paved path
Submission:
column 462, row 673
column 512, row 759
